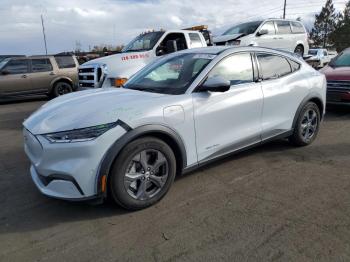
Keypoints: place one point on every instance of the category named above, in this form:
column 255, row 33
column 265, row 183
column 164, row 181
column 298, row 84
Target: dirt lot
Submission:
column 272, row 203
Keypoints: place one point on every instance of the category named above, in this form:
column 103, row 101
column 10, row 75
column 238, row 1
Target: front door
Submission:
column 225, row 122
column 15, row 77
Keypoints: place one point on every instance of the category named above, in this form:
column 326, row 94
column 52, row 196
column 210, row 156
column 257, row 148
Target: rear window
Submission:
column 297, row 28
column 41, row 65
column 65, row 61
column 273, row 66
column 283, row 27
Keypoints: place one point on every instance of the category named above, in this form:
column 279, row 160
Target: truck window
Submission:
column 65, row 61
column 270, row 27
column 41, row 65
column 18, row 66
column 297, row 28
column 195, row 40
column 171, row 43
column 283, row 27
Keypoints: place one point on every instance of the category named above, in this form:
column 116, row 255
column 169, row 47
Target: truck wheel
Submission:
column 142, row 173
column 307, row 125
column 299, row 50
column 61, row 88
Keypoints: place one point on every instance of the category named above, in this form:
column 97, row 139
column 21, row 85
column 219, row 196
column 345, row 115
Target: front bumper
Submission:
column 338, row 96
column 68, row 170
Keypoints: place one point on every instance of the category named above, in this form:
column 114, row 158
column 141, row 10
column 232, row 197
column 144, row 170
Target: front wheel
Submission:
column 142, row 174
column 307, row 125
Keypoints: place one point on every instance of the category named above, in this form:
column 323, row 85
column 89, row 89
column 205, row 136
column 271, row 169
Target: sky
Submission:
column 116, row 22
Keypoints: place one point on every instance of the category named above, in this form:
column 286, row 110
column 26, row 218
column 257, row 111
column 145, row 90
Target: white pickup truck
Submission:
column 138, row 53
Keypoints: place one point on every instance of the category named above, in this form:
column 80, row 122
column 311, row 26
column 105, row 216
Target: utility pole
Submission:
column 284, row 9
column 42, row 24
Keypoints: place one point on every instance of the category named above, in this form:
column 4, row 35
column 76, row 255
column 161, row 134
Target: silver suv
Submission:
column 287, row 35
column 50, row 75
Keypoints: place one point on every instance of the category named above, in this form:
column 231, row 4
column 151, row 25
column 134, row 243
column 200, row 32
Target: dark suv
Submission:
column 50, row 75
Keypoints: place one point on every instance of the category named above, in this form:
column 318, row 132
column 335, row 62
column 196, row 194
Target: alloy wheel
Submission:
column 146, row 174
column 309, row 125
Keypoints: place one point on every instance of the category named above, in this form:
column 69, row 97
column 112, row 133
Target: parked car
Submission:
column 320, row 57
column 338, row 78
column 50, row 75
column 142, row 50
column 182, row 111
column 288, row 35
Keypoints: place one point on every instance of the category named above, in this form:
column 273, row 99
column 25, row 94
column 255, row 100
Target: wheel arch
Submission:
column 164, row 133
column 60, row 79
column 313, row 97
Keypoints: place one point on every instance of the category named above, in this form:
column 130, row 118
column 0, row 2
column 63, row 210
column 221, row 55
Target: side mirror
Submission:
column 262, row 32
column 5, row 72
column 171, row 46
column 215, row 84
column 160, row 51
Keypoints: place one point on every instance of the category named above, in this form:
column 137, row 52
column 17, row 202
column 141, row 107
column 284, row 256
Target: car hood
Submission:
column 89, row 108
column 336, row 73
column 124, row 64
column 225, row 38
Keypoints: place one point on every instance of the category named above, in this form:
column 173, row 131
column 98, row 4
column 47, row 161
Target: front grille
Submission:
column 338, row 85
column 91, row 76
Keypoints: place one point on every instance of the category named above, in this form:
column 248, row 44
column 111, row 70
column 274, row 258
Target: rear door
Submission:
column 285, row 37
column 283, row 92
column 228, row 121
column 42, row 74
column 15, row 77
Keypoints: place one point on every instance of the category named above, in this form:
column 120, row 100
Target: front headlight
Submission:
column 79, row 135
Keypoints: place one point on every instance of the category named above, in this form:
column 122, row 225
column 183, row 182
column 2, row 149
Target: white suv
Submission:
column 287, row 35
column 181, row 111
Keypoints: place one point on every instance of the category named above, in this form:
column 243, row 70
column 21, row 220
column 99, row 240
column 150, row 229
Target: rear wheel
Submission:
column 61, row 88
column 299, row 50
column 307, row 125
column 142, row 174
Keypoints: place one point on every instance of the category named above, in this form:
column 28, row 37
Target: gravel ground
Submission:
column 271, row 203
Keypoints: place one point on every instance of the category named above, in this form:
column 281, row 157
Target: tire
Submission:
column 142, row 173
column 299, row 50
column 307, row 125
column 61, row 88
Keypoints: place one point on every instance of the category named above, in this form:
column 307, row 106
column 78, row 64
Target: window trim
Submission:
column 260, row 78
column 255, row 73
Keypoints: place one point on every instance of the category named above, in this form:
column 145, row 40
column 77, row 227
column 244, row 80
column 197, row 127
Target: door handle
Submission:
column 24, row 76
column 52, row 74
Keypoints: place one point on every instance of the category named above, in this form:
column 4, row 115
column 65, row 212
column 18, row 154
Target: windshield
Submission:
column 172, row 75
column 342, row 60
column 246, row 28
column 3, row 62
column 313, row 52
column 143, row 42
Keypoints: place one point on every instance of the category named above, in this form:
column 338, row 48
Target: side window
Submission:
column 273, row 66
column 17, row 66
column 171, row 43
column 295, row 66
column 195, row 40
column 270, row 27
column 65, row 61
column 325, row 53
column 237, row 69
column 297, row 28
column 283, row 27
column 41, row 65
